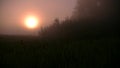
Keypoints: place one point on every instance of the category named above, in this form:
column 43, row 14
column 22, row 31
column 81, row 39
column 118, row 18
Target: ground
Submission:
column 32, row 52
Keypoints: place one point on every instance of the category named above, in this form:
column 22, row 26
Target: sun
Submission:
column 31, row 22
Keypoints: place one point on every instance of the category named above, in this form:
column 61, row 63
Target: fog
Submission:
column 13, row 12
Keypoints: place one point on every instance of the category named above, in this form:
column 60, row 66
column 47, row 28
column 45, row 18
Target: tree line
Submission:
column 91, row 19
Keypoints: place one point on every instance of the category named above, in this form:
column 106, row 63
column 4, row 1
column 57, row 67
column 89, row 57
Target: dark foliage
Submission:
column 82, row 29
column 88, row 42
column 90, row 20
column 30, row 52
column 96, row 9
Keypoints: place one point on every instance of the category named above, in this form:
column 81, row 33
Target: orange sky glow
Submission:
column 14, row 13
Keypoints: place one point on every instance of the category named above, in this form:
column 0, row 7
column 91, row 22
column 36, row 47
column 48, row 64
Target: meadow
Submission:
column 32, row 52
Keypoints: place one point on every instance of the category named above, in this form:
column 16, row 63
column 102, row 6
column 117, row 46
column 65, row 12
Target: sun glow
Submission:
column 31, row 22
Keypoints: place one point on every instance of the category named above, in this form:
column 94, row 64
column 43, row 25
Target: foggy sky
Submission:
column 13, row 12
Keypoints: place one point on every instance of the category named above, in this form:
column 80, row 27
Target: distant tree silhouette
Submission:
column 91, row 19
column 96, row 9
column 56, row 22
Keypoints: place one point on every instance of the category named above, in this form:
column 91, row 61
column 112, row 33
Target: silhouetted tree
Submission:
column 96, row 9
column 92, row 19
column 56, row 22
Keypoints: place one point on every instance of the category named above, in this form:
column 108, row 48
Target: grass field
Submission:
column 31, row 52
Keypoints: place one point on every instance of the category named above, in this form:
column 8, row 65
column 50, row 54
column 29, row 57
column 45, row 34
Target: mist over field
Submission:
column 13, row 13
column 59, row 33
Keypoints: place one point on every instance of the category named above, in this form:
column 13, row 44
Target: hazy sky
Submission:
column 13, row 12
